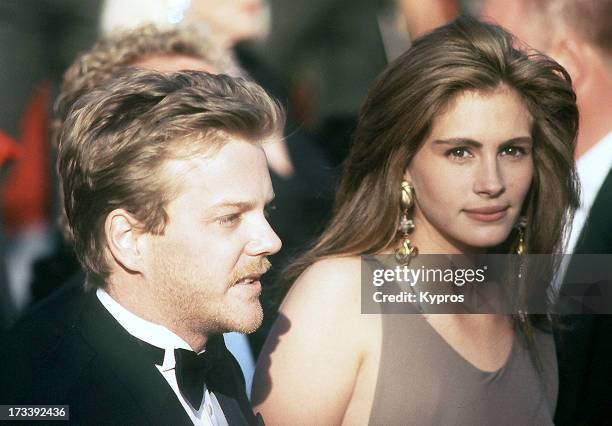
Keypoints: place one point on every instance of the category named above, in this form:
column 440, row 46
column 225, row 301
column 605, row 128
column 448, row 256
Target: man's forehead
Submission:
column 170, row 63
column 235, row 173
column 227, row 202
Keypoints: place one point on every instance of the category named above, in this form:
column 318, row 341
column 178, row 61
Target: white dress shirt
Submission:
column 209, row 413
column 592, row 169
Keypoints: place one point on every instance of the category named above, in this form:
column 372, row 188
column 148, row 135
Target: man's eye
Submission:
column 268, row 210
column 229, row 220
column 513, row 151
column 458, row 153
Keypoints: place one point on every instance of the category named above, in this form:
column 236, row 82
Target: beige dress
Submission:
column 422, row 380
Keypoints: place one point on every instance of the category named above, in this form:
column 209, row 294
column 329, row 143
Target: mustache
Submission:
column 258, row 267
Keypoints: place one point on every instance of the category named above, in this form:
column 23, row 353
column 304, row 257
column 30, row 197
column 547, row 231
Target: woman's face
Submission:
column 235, row 20
column 472, row 173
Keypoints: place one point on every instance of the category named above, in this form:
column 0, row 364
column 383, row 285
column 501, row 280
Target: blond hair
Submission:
column 113, row 53
column 123, row 49
column 118, row 137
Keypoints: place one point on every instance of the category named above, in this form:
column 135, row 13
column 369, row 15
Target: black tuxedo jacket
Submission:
column 70, row 350
column 584, row 342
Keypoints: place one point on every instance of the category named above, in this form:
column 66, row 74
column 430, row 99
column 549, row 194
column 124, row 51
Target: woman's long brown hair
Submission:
column 465, row 55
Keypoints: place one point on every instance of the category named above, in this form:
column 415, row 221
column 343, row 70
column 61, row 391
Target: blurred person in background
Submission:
column 331, row 51
column 38, row 40
column 9, row 152
column 578, row 34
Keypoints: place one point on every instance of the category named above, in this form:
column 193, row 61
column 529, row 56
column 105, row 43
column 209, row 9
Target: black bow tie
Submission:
column 191, row 369
column 192, row 372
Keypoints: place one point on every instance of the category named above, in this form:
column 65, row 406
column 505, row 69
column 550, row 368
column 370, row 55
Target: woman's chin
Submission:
column 483, row 242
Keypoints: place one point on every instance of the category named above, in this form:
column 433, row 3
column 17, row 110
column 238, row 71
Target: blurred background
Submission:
column 318, row 57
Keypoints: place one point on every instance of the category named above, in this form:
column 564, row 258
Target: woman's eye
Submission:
column 229, row 220
column 458, row 153
column 513, row 151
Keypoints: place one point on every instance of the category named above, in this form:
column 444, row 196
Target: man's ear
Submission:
column 570, row 53
column 123, row 233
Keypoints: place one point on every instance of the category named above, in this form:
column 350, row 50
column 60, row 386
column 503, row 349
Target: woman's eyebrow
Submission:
column 458, row 141
column 476, row 144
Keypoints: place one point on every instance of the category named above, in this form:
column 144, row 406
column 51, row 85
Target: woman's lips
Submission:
column 487, row 214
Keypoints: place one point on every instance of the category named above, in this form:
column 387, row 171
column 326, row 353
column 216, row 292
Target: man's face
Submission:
column 205, row 268
column 236, row 19
column 173, row 63
column 523, row 18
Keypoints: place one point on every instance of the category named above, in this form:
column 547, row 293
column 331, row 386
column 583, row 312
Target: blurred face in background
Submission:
column 523, row 18
column 173, row 63
column 231, row 20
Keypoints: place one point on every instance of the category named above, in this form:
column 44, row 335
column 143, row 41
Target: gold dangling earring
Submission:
column 520, row 226
column 520, row 250
column 406, row 226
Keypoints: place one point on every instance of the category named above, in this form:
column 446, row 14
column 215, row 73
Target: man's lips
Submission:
column 250, row 284
column 250, row 274
column 488, row 213
column 250, row 279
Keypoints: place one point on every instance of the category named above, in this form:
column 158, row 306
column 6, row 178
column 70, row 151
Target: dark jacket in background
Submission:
column 584, row 342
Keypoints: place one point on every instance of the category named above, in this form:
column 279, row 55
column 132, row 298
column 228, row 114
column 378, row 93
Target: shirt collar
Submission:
column 147, row 331
column 593, row 167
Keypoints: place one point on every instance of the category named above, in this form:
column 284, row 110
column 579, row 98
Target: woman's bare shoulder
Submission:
column 319, row 334
column 328, row 281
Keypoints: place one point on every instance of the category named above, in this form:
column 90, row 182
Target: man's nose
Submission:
column 264, row 241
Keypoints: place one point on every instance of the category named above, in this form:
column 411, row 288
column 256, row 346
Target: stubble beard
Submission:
column 247, row 317
column 201, row 311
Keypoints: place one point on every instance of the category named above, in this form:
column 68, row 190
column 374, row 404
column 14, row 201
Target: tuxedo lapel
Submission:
column 595, row 238
column 583, row 347
column 227, row 383
column 234, row 414
column 131, row 364
column 231, row 409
